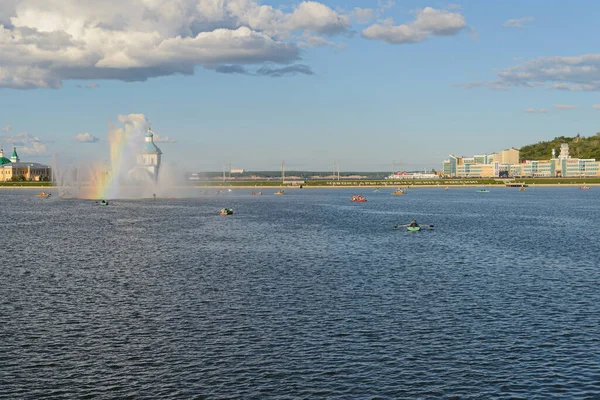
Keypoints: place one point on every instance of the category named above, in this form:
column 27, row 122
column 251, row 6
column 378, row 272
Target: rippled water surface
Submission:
column 304, row 295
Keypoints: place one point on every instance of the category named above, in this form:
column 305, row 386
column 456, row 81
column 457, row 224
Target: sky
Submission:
column 373, row 84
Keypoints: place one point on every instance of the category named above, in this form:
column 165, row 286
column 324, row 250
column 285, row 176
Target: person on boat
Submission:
column 413, row 224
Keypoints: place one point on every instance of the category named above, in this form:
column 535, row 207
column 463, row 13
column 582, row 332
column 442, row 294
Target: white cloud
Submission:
column 363, row 15
column 26, row 144
column 384, row 6
column 565, row 107
column 135, row 125
column 517, row 23
column 596, row 106
column 316, row 17
column 536, row 111
column 44, row 43
column 85, row 138
column 573, row 73
column 428, row 23
column 7, row 128
column 163, row 139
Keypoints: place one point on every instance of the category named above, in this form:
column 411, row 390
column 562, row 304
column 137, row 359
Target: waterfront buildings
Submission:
column 413, row 175
column 506, row 163
column 13, row 169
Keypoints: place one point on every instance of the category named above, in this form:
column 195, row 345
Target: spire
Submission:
column 15, row 157
column 149, row 133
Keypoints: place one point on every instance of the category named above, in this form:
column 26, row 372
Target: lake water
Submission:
column 304, row 295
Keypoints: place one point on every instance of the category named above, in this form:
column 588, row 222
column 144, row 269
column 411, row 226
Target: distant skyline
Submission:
column 253, row 83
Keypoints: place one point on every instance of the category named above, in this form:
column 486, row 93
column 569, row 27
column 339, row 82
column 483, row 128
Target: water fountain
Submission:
column 134, row 169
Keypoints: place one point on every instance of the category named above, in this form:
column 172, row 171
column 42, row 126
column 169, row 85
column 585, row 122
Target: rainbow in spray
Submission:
column 111, row 180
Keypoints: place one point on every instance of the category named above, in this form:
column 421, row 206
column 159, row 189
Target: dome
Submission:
column 150, row 148
column 4, row 160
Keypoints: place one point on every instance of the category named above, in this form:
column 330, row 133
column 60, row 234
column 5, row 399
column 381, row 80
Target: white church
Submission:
column 148, row 159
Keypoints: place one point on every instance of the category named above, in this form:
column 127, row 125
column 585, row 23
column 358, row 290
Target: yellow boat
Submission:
column 398, row 192
column 279, row 192
column 43, row 194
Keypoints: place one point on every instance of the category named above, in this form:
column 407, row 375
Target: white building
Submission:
column 149, row 157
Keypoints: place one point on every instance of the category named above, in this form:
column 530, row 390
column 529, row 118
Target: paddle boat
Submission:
column 226, row 211
column 522, row 189
column 104, row 202
column 255, row 193
column 413, row 226
column 279, row 192
column 358, row 199
column 446, row 188
column 43, row 194
column 584, row 187
column 398, row 192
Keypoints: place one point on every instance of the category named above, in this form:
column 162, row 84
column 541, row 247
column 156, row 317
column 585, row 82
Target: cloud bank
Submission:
column 26, row 144
column 46, row 42
column 85, row 138
column 565, row 107
column 428, row 23
column 572, row 73
column 517, row 23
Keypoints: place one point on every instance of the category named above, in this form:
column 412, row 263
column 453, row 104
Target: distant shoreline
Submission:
column 364, row 187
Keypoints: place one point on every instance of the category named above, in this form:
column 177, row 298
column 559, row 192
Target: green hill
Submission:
column 579, row 147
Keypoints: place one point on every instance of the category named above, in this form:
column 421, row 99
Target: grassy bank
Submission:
column 400, row 183
column 26, row 184
column 356, row 183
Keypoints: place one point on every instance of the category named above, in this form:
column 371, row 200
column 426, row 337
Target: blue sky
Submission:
column 367, row 102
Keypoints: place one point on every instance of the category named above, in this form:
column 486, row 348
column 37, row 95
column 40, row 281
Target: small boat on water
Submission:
column 584, row 187
column 398, row 192
column 446, row 188
column 104, row 202
column 482, row 190
column 414, row 226
column 358, row 199
column 522, row 189
column 279, row 192
column 256, row 193
column 226, row 211
column 43, row 194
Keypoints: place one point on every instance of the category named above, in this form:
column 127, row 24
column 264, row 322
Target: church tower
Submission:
column 149, row 157
column 15, row 157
